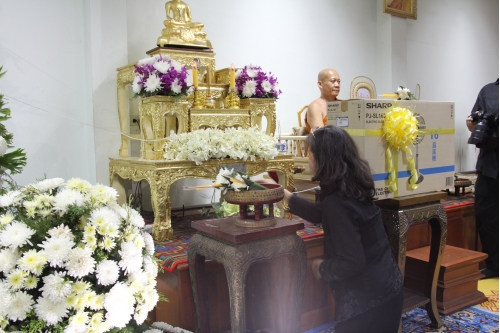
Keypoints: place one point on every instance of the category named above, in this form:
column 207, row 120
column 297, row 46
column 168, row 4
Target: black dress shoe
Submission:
column 488, row 273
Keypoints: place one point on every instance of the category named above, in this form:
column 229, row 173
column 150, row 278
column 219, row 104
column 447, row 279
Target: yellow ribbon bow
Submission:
column 400, row 129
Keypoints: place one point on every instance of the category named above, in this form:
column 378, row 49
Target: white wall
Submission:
column 61, row 57
column 44, row 48
column 108, row 22
column 453, row 53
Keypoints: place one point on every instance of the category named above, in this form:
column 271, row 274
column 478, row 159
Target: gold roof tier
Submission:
column 180, row 30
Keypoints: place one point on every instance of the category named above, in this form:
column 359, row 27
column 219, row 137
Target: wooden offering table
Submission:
column 237, row 248
column 398, row 214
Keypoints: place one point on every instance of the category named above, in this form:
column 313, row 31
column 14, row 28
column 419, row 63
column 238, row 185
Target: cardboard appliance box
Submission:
column 433, row 150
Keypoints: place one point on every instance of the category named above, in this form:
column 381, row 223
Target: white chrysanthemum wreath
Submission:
column 73, row 260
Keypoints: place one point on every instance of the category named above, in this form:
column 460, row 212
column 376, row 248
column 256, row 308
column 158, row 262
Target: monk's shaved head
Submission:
column 326, row 74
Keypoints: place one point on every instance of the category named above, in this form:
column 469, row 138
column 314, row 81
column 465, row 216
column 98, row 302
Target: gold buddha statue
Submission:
column 179, row 30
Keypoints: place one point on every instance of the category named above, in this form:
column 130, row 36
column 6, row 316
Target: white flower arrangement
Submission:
column 235, row 181
column 404, row 93
column 73, row 260
column 202, row 145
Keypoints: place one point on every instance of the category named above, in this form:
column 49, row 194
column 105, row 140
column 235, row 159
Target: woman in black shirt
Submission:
column 358, row 262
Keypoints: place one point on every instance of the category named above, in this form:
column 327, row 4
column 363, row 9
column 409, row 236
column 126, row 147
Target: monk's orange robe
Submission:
column 308, row 127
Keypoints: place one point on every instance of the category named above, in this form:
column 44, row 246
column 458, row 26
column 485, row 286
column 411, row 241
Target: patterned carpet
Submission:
column 470, row 320
column 476, row 319
column 489, row 287
column 458, row 201
column 174, row 252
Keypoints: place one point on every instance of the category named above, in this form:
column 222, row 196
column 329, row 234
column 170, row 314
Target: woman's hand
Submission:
column 288, row 194
column 315, row 268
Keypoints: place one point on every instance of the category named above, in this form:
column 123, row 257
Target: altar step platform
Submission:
column 458, row 278
column 318, row 305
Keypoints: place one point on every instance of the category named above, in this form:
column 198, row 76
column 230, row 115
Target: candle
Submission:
column 231, row 77
column 195, row 74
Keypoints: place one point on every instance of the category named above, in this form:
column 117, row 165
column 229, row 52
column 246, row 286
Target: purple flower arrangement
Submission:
column 160, row 75
column 252, row 82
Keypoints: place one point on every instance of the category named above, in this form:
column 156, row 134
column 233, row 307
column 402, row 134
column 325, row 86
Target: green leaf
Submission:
column 7, row 114
column 14, row 161
column 253, row 186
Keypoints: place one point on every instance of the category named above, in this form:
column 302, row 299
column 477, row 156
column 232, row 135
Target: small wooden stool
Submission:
column 457, row 281
column 237, row 248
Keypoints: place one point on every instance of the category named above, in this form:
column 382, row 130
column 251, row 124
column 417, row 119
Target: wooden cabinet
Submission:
column 461, row 230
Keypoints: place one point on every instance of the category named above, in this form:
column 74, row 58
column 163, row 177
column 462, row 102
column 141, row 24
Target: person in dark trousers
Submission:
column 483, row 123
column 358, row 262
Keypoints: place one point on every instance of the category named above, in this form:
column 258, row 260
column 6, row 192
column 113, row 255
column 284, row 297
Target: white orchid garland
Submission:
column 202, row 145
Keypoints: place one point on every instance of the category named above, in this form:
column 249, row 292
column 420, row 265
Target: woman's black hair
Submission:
column 339, row 167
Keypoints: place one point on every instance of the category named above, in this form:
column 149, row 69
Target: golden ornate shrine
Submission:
column 209, row 105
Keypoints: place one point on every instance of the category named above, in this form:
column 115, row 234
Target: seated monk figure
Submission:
column 329, row 87
column 181, row 15
column 316, row 114
column 179, row 30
